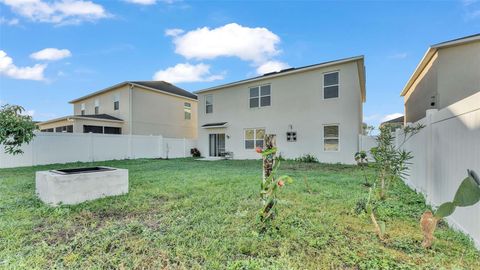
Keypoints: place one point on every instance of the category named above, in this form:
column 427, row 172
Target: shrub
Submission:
column 195, row 152
column 16, row 129
column 307, row 158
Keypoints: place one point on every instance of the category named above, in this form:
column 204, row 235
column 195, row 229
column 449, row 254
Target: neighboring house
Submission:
column 314, row 110
column 133, row 107
column 448, row 72
column 394, row 123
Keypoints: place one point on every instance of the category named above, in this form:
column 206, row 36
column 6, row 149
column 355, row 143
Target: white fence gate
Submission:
column 443, row 151
column 49, row 148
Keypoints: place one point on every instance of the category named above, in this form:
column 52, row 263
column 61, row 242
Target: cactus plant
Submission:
column 270, row 184
column 468, row 193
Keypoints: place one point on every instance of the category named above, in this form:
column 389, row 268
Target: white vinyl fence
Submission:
column 443, row 151
column 49, row 148
column 365, row 143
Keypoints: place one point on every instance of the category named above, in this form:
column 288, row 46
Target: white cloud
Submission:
column 390, row 116
column 6, row 21
column 51, row 54
column 401, row 55
column 181, row 73
column 7, row 68
column 142, row 2
column 58, row 12
column 29, row 112
column 271, row 66
column 150, row 2
column 249, row 44
column 173, row 32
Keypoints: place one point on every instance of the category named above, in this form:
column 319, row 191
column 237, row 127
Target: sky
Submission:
column 53, row 51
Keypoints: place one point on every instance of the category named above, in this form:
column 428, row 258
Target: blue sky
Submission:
column 54, row 51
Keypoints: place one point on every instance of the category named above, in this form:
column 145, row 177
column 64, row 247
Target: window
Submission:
column 97, row 106
column 187, row 110
column 116, row 102
column 92, row 129
column 209, row 104
column 112, row 130
column 260, row 96
column 82, row 109
column 330, row 138
column 330, row 85
column 291, row 136
column 47, row 130
column 68, row 129
column 254, row 138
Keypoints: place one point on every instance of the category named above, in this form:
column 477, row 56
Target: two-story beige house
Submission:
column 314, row 110
column 448, row 72
column 133, row 107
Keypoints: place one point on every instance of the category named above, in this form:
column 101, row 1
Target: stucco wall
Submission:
column 419, row 99
column 458, row 73
column 106, row 105
column 162, row 114
column 296, row 100
column 452, row 75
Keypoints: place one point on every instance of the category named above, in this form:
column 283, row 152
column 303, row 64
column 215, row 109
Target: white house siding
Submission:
column 296, row 100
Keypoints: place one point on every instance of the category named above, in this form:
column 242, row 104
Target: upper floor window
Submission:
column 82, row 109
column 260, row 96
column 254, row 137
column 97, row 106
column 330, row 85
column 330, row 137
column 187, row 110
column 208, row 103
column 116, row 102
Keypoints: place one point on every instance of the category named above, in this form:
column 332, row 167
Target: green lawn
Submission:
column 186, row 214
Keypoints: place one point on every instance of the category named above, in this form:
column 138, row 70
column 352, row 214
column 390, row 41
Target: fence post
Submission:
column 184, row 147
column 92, row 158
column 429, row 192
column 130, row 150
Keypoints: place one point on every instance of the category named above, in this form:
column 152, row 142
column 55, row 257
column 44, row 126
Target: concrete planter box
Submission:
column 74, row 186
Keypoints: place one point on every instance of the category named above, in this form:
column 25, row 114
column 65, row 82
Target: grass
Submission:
column 186, row 214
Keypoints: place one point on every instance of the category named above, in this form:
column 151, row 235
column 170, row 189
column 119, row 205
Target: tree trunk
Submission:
column 377, row 227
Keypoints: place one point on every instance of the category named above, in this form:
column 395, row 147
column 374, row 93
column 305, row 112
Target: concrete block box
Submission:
column 72, row 186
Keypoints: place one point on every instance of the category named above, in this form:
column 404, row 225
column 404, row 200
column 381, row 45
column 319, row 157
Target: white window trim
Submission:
column 323, row 84
column 259, row 96
column 82, row 108
column 324, row 138
column 254, row 137
column 205, row 104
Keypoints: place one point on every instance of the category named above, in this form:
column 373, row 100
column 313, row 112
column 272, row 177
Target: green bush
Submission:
column 307, row 158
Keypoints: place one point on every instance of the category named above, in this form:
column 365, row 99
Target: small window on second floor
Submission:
column 187, row 110
column 330, row 85
column 82, row 109
column 209, row 104
column 97, row 106
column 260, row 96
column 116, row 102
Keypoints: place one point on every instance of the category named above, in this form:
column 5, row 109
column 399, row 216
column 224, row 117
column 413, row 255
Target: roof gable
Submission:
column 160, row 86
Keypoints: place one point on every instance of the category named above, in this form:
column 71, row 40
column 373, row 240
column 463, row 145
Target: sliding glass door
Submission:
column 217, row 145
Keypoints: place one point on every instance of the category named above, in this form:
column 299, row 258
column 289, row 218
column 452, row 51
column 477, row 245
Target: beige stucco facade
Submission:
column 297, row 104
column 449, row 74
column 142, row 111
